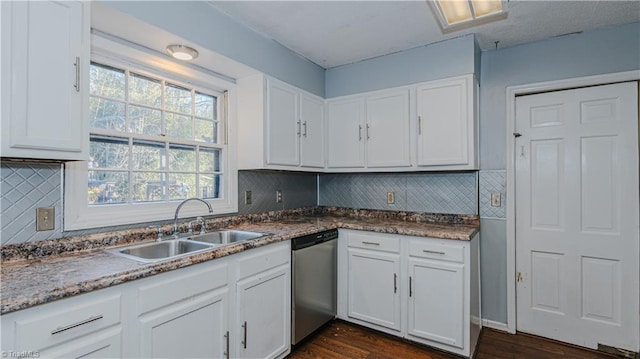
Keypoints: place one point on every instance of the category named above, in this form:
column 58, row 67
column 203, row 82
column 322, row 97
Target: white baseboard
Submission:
column 495, row 325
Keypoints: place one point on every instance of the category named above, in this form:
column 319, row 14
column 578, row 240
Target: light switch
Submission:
column 495, row 199
column 45, row 219
column 247, row 197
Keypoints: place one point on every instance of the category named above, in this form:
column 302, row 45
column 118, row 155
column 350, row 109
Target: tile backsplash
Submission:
column 415, row 192
column 23, row 188
column 493, row 181
column 298, row 190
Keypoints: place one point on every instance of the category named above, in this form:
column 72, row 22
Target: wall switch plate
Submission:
column 391, row 197
column 278, row 196
column 495, row 199
column 247, row 197
column 45, row 219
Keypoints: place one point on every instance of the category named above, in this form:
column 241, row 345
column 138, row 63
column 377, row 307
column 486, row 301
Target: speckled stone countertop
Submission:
column 42, row 272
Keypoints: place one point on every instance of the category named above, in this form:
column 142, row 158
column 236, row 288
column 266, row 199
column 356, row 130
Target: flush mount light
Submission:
column 181, row 52
column 464, row 13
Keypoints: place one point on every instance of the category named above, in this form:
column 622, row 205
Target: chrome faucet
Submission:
column 175, row 217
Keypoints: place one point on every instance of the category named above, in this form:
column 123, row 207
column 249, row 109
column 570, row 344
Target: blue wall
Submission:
column 436, row 61
column 203, row 24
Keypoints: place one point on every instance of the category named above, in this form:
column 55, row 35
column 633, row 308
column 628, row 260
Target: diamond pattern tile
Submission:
column 298, row 190
column 23, row 188
column 422, row 192
column 442, row 193
column 492, row 181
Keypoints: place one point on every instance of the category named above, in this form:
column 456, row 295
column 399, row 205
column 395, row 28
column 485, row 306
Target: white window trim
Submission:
column 79, row 215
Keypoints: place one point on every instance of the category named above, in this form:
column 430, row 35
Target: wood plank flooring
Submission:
column 340, row 340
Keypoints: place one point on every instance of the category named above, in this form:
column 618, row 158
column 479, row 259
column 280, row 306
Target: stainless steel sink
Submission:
column 226, row 236
column 157, row 251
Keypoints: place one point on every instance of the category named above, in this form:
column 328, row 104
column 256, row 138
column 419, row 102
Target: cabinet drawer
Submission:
column 378, row 242
column 440, row 251
column 263, row 259
column 39, row 332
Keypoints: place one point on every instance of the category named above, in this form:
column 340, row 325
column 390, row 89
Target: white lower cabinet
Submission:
column 191, row 312
column 436, row 279
column 373, row 276
column 184, row 313
column 88, row 325
column 264, row 303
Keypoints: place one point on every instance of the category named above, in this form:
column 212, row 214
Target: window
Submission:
column 159, row 132
column 152, row 140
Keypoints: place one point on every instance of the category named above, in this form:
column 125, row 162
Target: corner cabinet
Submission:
column 280, row 126
column 44, row 71
column 423, row 289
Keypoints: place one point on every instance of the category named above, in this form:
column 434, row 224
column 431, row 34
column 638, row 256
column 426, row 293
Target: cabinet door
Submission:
column 445, row 118
column 387, row 129
column 264, row 302
column 312, row 137
column 187, row 329
column 373, row 287
column 436, row 301
column 345, row 137
column 44, row 70
column 283, row 124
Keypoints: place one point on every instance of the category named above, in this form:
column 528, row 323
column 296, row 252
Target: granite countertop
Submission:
column 32, row 275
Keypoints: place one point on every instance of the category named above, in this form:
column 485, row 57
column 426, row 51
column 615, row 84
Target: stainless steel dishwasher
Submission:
column 313, row 283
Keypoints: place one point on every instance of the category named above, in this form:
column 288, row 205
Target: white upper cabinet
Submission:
column 430, row 126
column 387, row 129
column 283, row 124
column 369, row 131
column 45, row 67
column 279, row 126
column 446, row 123
column 345, row 123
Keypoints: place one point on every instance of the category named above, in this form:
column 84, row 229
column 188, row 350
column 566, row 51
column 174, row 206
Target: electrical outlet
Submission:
column 247, row 197
column 391, row 197
column 495, row 199
column 278, row 196
column 45, row 219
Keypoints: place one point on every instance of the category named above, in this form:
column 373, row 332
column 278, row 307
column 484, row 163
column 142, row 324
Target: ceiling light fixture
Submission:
column 182, row 52
column 462, row 13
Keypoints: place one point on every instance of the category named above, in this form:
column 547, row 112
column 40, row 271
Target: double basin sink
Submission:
column 171, row 248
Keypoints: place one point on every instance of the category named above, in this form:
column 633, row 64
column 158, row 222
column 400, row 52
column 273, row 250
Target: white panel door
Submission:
column 387, row 129
column 373, row 282
column 445, row 118
column 312, row 136
column 283, row 124
column 577, row 215
column 345, row 126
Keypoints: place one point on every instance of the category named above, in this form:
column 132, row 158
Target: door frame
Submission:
column 512, row 92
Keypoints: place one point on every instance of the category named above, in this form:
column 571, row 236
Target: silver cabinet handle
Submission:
column 410, row 291
column 305, row 129
column 433, row 252
column 371, row 243
column 298, row 123
column 419, row 125
column 359, row 132
column 226, row 337
column 75, row 325
column 395, row 283
column 244, row 341
column 368, row 131
column 77, row 66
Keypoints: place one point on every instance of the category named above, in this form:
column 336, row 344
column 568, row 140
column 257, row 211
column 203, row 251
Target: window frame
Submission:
column 78, row 214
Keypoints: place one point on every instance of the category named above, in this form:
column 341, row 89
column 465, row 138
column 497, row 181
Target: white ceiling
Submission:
column 334, row 33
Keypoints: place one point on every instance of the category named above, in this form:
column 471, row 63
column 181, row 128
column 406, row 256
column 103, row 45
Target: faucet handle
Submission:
column 158, row 231
column 202, row 224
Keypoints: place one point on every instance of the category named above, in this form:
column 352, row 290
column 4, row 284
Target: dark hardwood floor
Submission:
column 345, row 340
